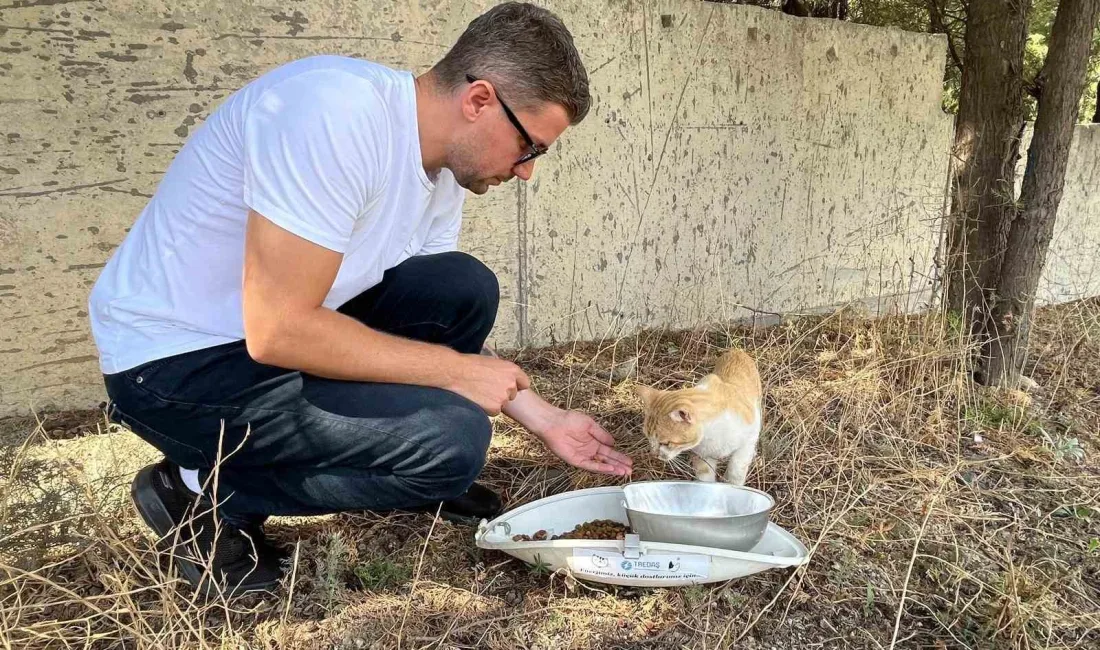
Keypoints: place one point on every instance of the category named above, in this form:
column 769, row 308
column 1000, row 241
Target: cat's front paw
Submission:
column 734, row 478
column 705, row 469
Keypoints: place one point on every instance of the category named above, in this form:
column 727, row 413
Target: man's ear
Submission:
column 476, row 99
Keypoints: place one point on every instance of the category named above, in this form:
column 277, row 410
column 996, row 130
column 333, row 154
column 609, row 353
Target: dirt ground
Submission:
column 938, row 514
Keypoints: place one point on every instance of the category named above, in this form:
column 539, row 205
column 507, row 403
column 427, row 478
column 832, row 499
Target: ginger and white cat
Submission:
column 717, row 419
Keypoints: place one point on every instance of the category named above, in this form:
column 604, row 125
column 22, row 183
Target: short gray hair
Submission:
column 526, row 52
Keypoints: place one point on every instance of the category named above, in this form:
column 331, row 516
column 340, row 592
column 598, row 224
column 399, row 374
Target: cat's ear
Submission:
column 646, row 393
column 681, row 415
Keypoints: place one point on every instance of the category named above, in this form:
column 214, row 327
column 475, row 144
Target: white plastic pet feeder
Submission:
column 632, row 561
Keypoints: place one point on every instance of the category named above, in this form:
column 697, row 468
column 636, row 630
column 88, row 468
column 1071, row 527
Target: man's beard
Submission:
column 463, row 165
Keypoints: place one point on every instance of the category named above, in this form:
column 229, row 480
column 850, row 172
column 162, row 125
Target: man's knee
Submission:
column 472, row 283
column 471, row 294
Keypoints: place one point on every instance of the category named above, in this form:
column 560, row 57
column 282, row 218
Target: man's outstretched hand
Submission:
column 578, row 440
column 573, row 436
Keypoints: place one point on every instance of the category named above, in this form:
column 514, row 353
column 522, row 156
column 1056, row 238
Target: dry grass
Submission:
column 939, row 515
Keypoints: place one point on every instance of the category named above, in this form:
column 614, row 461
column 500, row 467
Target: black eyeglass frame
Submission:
column 536, row 150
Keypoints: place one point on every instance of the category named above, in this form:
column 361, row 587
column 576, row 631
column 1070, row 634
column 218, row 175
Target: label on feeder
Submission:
column 598, row 562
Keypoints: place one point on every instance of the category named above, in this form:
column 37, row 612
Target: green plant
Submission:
column 1064, row 448
column 381, row 574
column 694, row 596
column 734, row 599
column 1077, row 512
column 330, row 568
column 990, row 416
column 539, row 567
column 993, row 415
column 954, row 323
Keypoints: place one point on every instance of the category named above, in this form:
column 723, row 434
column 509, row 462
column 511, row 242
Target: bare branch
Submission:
column 935, row 16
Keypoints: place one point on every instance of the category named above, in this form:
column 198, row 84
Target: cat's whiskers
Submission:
column 682, row 463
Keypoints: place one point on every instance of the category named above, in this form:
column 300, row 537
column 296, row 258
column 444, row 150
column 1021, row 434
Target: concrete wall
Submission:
column 745, row 161
column 736, row 159
column 1072, row 269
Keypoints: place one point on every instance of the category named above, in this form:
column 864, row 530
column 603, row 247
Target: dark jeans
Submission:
column 291, row 443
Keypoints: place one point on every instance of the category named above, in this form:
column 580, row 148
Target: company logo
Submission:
column 627, row 565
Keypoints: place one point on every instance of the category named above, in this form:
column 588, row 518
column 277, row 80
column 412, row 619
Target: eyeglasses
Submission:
column 536, row 150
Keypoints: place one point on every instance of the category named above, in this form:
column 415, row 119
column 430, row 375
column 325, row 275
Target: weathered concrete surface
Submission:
column 742, row 159
column 735, row 158
column 1072, row 270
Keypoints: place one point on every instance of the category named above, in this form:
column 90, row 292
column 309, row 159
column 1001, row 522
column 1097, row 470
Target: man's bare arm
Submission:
column 286, row 279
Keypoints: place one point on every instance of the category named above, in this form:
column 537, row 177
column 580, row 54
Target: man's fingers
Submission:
column 618, row 456
column 620, row 468
column 593, row 465
column 618, row 463
column 522, row 381
column 599, row 434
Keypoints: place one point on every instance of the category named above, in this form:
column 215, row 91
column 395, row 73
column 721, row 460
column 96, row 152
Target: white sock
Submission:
column 191, row 479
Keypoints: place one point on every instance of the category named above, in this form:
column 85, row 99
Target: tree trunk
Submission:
column 1059, row 104
column 1096, row 113
column 987, row 129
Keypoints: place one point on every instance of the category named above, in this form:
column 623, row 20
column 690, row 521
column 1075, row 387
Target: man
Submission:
column 289, row 322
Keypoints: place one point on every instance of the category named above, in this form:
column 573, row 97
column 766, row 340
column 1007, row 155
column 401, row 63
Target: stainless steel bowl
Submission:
column 718, row 515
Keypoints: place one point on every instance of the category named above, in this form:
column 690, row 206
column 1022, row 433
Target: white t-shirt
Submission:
column 326, row 147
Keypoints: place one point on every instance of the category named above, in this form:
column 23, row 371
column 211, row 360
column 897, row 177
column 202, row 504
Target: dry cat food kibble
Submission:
column 597, row 529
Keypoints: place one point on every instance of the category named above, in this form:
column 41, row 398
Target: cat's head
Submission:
column 671, row 423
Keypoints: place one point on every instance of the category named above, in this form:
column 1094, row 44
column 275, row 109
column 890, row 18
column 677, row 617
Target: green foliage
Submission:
column 1064, row 448
column 382, row 574
column 955, row 324
column 1076, row 512
column 540, row 568
column 330, row 569
column 1041, row 22
column 694, row 596
column 950, row 18
column 992, row 416
column 910, row 15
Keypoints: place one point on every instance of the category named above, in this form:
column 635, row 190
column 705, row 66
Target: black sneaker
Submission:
column 469, row 508
column 478, row 502
column 213, row 556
